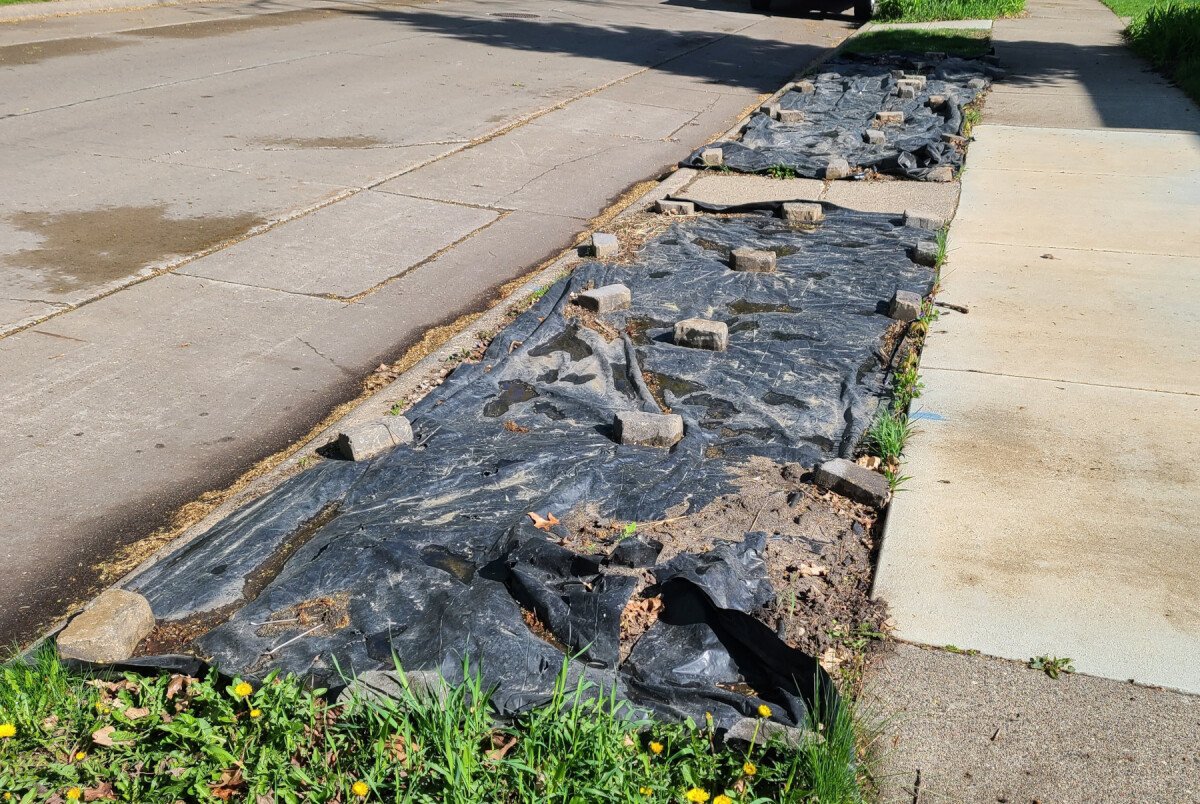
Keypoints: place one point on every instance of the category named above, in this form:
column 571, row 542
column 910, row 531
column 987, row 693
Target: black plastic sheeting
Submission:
column 430, row 551
column 848, row 94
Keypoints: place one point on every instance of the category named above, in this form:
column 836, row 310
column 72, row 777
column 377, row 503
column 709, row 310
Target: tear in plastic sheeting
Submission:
column 427, row 553
column 848, row 94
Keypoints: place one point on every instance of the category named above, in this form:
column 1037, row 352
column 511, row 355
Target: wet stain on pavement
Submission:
column 97, row 246
column 355, row 141
column 35, row 52
column 229, row 25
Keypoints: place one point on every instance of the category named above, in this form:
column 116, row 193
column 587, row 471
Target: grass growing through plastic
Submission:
column 929, row 10
column 168, row 738
column 967, row 43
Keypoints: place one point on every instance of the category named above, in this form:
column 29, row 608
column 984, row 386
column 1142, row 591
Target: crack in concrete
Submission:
column 1062, row 381
column 332, row 362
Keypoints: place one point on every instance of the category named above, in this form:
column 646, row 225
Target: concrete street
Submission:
column 217, row 219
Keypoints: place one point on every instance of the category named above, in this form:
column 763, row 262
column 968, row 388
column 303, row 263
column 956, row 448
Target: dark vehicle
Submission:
column 862, row 8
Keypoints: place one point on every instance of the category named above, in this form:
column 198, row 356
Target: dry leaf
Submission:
column 101, row 736
column 543, row 524
column 101, row 791
column 49, row 723
column 399, row 748
column 177, row 684
column 230, row 782
column 136, row 712
column 501, row 745
column 268, row 798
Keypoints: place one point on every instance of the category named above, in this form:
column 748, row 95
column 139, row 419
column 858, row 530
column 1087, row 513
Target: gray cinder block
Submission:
column 700, row 333
column 363, row 441
column 607, row 299
column 905, row 306
column 803, row 212
column 753, row 260
column 853, row 481
column 604, row 244
column 647, row 429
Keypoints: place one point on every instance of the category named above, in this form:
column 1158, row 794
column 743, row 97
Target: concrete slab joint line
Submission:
column 634, row 427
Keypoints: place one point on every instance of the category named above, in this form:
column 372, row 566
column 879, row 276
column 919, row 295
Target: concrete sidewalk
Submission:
column 1053, row 502
column 233, row 212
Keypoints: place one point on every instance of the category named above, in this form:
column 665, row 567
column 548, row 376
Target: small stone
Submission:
column 906, row 92
column 936, row 102
column 795, row 498
column 607, row 299
column 635, row 552
column 668, row 207
column 905, row 306
column 977, row 83
column 935, row 55
column 758, row 732
column 803, row 212
column 108, row 630
column 604, row 244
column 699, row 333
column 884, row 118
column 942, row 173
column 925, row 252
column 647, row 429
column 857, row 528
column 923, row 220
column 791, row 116
column 792, row 472
column 712, row 157
column 769, row 109
column 753, row 260
column 953, row 139
column 837, row 168
column 805, row 87
column 363, row 441
column 873, row 136
column 853, row 481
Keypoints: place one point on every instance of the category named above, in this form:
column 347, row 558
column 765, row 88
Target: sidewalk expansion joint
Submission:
column 1061, row 381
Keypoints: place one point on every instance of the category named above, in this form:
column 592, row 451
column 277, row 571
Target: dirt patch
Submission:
column 36, row 52
column 97, row 246
column 287, row 143
column 820, row 549
column 329, row 611
column 175, row 637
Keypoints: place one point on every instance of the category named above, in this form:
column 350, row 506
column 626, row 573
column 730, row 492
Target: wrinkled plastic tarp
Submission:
column 429, row 552
column 848, row 94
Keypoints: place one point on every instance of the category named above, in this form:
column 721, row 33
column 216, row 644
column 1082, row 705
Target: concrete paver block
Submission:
column 791, row 116
column 906, row 91
column 700, row 333
column 668, row 207
column 712, row 157
column 805, row 87
column 363, row 441
column 635, row 427
column 604, row 244
column 920, row 219
column 873, row 136
column 915, row 79
column 803, row 212
column 837, row 168
column 953, row 139
column 905, row 306
column 889, row 118
column 607, row 299
column 770, row 110
column 977, row 83
column 853, row 481
column 925, row 252
column 941, row 173
column 936, row 102
column 109, row 630
column 753, row 260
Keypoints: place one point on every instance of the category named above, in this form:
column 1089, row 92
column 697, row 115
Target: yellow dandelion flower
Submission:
column 360, row 789
column 80, row 756
column 722, row 800
column 106, row 710
column 764, row 711
column 697, row 795
column 255, row 712
column 656, row 747
column 7, row 730
column 749, row 769
column 243, row 690
column 74, row 793
column 8, row 796
column 645, row 791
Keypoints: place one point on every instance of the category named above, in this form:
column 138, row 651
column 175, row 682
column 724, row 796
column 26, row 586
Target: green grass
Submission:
column 888, row 434
column 14, row 2
column 167, row 738
column 929, row 10
column 966, row 43
column 1167, row 35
